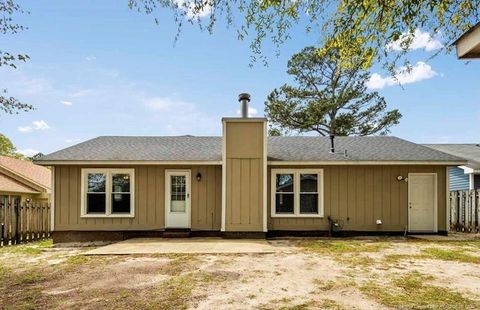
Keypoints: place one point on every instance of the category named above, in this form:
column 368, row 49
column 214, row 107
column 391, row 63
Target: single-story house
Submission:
column 466, row 176
column 245, row 183
column 21, row 180
column 468, row 45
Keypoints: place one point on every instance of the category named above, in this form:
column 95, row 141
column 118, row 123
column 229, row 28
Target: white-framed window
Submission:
column 108, row 192
column 297, row 193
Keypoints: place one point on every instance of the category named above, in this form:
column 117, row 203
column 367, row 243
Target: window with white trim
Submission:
column 107, row 192
column 297, row 192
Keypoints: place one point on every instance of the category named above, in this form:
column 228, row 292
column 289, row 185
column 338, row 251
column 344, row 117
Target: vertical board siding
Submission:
column 149, row 200
column 244, row 194
column 359, row 195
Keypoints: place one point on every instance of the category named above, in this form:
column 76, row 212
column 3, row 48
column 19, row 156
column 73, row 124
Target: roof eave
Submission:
column 367, row 162
column 126, row 162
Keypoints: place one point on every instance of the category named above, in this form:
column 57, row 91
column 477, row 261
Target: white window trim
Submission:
column 296, row 180
column 108, row 198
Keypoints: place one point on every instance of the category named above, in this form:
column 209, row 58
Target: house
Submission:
column 466, row 176
column 21, row 180
column 468, row 45
column 246, row 184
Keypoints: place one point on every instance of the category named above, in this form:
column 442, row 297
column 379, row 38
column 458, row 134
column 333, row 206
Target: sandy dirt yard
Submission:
column 378, row 273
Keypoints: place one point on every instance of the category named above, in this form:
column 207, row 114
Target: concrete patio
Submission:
column 186, row 246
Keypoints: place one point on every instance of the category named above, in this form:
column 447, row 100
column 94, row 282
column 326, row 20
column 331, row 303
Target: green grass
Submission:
column 33, row 248
column 344, row 246
column 457, row 255
column 412, row 291
column 330, row 304
column 30, row 277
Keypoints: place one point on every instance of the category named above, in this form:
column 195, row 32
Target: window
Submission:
column 107, row 193
column 297, row 193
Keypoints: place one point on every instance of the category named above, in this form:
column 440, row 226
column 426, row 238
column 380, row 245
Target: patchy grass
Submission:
column 413, row 291
column 330, row 304
column 30, row 277
column 33, row 248
column 457, row 255
column 330, row 247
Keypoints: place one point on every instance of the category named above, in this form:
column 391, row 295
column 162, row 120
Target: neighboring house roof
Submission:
column 11, row 185
column 24, row 172
column 468, row 44
column 471, row 152
column 300, row 148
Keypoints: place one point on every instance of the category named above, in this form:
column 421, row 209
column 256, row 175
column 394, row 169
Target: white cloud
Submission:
column 165, row 104
column 90, row 58
column 420, row 71
column 188, row 6
column 36, row 125
column 29, row 152
column 251, row 112
column 420, row 40
column 180, row 117
column 76, row 140
column 68, row 103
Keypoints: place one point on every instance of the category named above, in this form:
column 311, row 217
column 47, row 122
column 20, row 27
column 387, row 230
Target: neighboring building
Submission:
column 468, row 45
column 21, row 180
column 246, row 183
column 466, row 176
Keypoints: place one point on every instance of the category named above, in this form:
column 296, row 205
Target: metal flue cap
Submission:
column 244, row 96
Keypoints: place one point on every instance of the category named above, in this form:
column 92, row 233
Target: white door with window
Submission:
column 177, row 199
column 422, row 202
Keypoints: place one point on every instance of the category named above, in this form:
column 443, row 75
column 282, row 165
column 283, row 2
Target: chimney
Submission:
column 244, row 99
column 332, row 144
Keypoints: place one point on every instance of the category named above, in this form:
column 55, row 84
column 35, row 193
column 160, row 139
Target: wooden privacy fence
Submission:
column 465, row 210
column 24, row 222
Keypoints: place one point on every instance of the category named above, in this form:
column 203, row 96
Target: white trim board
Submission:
column 224, row 177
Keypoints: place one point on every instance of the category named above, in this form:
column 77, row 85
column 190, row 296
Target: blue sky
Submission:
column 98, row 68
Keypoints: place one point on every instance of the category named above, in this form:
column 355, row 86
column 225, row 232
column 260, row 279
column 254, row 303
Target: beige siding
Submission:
column 359, row 195
column 244, row 174
column 149, row 200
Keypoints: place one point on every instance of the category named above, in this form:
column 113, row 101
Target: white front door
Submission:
column 177, row 198
column 422, row 202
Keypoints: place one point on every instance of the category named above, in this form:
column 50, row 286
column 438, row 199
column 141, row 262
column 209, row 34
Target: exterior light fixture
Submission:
column 199, row 177
column 399, row 178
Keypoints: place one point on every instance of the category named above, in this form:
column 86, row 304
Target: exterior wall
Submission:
column 244, row 169
column 149, row 200
column 359, row 195
column 41, row 197
column 458, row 179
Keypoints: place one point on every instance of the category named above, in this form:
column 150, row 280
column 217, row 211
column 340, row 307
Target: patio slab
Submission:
column 185, row 246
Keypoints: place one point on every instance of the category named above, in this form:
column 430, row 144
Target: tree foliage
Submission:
column 8, row 26
column 328, row 99
column 8, row 149
column 351, row 26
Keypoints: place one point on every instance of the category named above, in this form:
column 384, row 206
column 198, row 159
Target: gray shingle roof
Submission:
column 470, row 152
column 300, row 148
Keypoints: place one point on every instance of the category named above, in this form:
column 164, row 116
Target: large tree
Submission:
column 8, row 59
column 328, row 99
column 8, row 149
column 354, row 27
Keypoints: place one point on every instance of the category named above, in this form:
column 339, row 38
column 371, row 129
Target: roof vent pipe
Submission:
column 244, row 99
column 332, row 144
